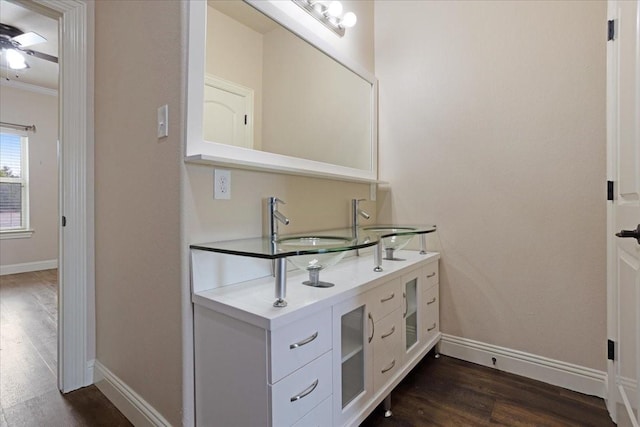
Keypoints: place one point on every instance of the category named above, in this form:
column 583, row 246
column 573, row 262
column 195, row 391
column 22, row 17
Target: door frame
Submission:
column 76, row 269
column 614, row 397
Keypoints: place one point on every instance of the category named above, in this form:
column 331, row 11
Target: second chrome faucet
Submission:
column 275, row 217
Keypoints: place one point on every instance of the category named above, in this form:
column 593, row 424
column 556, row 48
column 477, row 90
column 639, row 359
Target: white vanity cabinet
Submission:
column 328, row 358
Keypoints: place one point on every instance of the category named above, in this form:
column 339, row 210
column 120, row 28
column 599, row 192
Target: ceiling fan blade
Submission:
column 29, row 39
column 40, row 55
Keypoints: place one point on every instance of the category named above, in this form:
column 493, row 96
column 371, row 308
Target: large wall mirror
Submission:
column 263, row 97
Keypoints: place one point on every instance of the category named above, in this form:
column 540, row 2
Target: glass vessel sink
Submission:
column 393, row 238
column 325, row 254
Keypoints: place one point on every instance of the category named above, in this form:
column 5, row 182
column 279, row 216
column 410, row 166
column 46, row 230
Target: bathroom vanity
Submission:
column 330, row 357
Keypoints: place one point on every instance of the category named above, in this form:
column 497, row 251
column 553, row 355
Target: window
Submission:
column 14, row 188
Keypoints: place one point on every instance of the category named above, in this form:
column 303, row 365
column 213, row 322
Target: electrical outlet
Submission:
column 221, row 184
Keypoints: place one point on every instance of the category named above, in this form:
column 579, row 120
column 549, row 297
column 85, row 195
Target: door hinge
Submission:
column 609, row 190
column 611, row 350
column 64, row 221
column 611, row 30
column 245, row 119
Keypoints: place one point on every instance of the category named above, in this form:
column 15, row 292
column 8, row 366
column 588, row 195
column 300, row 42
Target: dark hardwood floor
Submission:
column 28, row 392
column 438, row 392
column 451, row 392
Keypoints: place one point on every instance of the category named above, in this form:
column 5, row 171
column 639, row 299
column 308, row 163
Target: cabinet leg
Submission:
column 437, row 351
column 387, row 406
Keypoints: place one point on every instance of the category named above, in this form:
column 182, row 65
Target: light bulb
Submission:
column 334, row 9
column 15, row 60
column 349, row 20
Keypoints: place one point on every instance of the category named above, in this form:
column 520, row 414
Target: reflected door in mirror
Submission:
column 228, row 112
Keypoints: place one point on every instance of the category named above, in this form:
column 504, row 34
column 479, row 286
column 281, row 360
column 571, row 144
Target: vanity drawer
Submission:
column 431, row 275
column 299, row 343
column 386, row 298
column 320, row 416
column 387, row 349
column 297, row 394
column 431, row 324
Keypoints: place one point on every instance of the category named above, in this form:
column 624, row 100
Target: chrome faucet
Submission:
column 275, row 216
column 356, row 213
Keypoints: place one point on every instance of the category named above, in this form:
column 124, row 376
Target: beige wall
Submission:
column 139, row 62
column 28, row 107
column 492, row 125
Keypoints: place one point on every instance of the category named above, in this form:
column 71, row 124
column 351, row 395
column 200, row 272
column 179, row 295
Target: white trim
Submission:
column 76, row 319
column 210, row 153
column 16, row 234
column 130, row 403
column 29, row 87
column 567, row 375
column 27, row 267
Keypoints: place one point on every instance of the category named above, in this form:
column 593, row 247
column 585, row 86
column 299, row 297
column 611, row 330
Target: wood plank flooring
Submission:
column 451, row 392
column 438, row 392
column 28, row 340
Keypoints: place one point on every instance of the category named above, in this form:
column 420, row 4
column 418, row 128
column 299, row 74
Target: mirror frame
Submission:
column 197, row 150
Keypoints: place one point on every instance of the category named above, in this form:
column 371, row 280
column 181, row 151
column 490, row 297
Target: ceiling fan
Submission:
column 14, row 42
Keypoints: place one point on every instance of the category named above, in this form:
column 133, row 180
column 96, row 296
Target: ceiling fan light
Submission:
column 15, row 60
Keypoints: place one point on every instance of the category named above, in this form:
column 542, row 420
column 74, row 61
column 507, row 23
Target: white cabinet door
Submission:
column 412, row 313
column 352, row 337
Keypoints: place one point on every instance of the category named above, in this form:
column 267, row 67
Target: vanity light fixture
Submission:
column 330, row 14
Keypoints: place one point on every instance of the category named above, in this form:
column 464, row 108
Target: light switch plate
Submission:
column 221, row 184
column 163, row 121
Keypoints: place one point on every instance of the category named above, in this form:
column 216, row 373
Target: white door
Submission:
column 623, row 141
column 228, row 113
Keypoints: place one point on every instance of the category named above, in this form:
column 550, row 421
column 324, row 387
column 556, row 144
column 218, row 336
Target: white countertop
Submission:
column 252, row 301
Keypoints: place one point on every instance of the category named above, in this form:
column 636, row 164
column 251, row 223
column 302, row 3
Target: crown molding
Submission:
column 29, row 87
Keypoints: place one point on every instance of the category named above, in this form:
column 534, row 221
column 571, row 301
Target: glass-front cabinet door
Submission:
column 411, row 314
column 352, row 353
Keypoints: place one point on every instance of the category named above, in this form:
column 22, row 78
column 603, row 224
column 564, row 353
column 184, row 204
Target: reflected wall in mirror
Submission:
column 267, row 89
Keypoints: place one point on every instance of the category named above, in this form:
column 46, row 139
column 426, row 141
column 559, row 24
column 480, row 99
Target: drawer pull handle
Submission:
column 306, row 391
column 406, row 305
column 432, row 301
column 429, row 276
column 373, row 327
column 304, row 341
column 393, row 363
column 393, row 329
column 431, row 328
column 390, row 297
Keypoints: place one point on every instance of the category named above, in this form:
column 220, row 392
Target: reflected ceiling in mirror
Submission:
column 267, row 89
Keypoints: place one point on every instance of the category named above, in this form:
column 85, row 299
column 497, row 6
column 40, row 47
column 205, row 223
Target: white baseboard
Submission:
column 130, row 403
column 28, row 267
column 573, row 377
